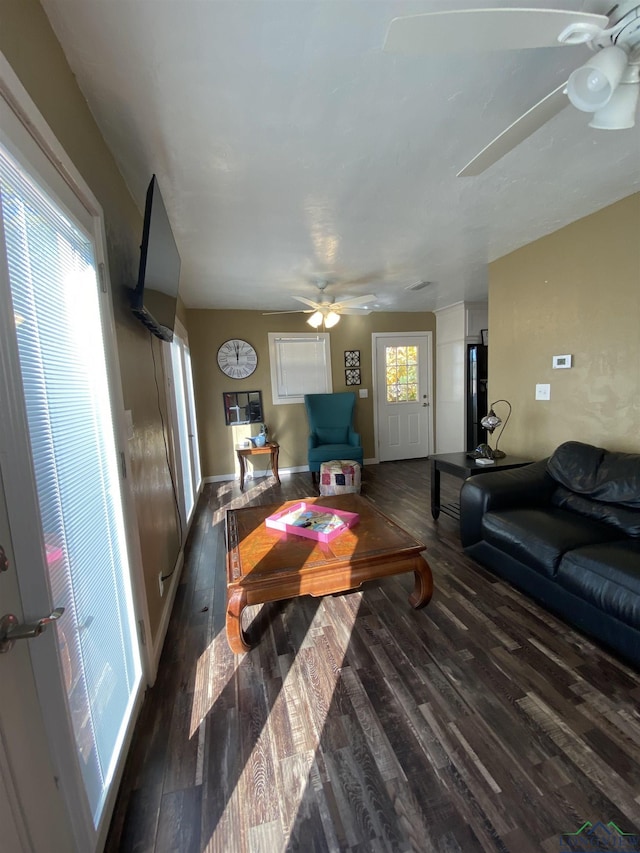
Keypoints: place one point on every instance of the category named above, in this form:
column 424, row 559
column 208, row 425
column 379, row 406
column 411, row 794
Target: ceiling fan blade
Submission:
column 353, row 301
column 517, row 132
column 467, row 30
column 297, row 311
column 314, row 305
column 361, row 312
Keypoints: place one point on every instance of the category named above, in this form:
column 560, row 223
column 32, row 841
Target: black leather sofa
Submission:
column 566, row 531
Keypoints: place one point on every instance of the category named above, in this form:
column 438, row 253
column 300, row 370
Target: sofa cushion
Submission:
column 624, row 518
column 597, row 473
column 540, row 537
column 607, row 576
column 332, row 435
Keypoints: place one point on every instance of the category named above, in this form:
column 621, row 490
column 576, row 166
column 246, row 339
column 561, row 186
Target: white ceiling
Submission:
column 289, row 147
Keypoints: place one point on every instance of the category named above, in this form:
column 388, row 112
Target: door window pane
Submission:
column 401, row 372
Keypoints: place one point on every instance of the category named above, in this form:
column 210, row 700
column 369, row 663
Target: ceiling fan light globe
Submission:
column 315, row 319
column 620, row 112
column 331, row 319
column 591, row 86
column 596, row 81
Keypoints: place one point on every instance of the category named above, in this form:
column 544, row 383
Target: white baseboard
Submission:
column 219, row 478
column 297, row 469
column 171, row 590
column 166, row 615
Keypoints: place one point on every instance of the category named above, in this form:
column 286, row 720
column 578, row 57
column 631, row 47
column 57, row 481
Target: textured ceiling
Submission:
column 289, row 147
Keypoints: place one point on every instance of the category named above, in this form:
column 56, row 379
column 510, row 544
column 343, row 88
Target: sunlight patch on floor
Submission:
column 301, row 707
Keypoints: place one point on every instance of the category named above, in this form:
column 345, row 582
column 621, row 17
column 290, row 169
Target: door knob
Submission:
column 11, row 630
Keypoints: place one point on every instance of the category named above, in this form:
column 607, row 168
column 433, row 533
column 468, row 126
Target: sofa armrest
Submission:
column 528, row 486
column 312, row 441
column 353, row 438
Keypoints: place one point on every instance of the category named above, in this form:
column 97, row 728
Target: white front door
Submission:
column 404, row 426
column 69, row 695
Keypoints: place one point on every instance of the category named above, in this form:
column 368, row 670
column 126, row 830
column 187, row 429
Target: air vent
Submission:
column 419, row 286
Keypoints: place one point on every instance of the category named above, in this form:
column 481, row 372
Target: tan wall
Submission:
column 31, row 48
column 575, row 292
column 288, row 423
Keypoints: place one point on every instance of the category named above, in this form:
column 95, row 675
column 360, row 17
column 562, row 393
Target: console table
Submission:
column 460, row 465
column 271, row 447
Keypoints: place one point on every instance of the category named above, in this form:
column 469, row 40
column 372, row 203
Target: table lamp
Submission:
column 490, row 422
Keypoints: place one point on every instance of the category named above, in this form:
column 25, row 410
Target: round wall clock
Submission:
column 237, row 359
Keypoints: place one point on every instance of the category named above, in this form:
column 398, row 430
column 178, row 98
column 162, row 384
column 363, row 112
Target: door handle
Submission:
column 11, row 630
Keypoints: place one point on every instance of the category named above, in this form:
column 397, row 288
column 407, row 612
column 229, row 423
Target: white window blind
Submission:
column 300, row 364
column 62, row 360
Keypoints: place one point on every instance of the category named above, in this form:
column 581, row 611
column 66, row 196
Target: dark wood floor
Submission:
column 478, row 723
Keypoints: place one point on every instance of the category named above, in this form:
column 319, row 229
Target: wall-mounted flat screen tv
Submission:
column 156, row 295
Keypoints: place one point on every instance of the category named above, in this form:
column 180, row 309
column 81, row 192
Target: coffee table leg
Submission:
column 423, row 590
column 236, row 637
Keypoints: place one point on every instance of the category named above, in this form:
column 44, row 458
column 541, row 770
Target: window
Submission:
column 185, row 430
column 401, row 365
column 300, row 364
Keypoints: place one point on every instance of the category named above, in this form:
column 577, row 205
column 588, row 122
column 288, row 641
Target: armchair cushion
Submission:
column 332, row 435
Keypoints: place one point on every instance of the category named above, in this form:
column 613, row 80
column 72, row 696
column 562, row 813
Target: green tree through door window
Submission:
column 401, row 366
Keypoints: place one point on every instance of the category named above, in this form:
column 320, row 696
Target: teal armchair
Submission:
column 331, row 429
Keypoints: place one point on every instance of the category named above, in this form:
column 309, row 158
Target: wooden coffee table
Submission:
column 264, row 564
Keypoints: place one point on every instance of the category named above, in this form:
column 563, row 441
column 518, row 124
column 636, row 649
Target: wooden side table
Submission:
column 271, row 447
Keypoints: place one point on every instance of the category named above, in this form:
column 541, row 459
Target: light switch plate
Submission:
column 364, row 393
column 543, row 392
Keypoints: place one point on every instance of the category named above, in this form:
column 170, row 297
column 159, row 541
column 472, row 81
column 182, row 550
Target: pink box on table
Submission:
column 313, row 521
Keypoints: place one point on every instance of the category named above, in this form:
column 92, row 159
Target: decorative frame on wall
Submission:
column 352, row 358
column 352, row 376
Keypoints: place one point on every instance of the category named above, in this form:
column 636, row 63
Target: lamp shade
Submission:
column 331, row 319
column 591, row 86
column 315, row 319
column 490, row 421
column 620, row 112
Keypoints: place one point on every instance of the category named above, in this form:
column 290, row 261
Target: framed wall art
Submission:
column 352, row 376
column 352, row 358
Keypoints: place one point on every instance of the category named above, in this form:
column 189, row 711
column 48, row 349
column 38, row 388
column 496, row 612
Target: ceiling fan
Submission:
column 327, row 312
column 607, row 85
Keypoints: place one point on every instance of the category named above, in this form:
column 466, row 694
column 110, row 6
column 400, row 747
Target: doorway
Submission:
column 402, row 382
